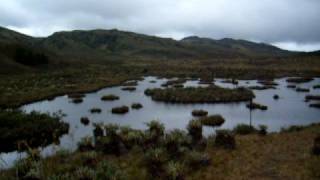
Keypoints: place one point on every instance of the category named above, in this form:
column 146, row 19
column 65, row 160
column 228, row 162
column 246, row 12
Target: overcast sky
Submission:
column 289, row 24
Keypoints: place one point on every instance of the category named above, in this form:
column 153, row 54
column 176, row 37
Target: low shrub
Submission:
column 225, row 139
column 136, row 106
column 312, row 97
column 195, row 130
column 120, row 110
column 98, row 130
column 109, row 97
column 299, row 80
column 85, row 144
column 84, row 120
column 262, row 130
column 254, row 105
column 95, row 110
column 199, row 112
column 177, row 142
column 175, row 171
column 299, row 89
column 261, row 87
column 244, row 129
column 293, row 128
column 212, row 120
column 268, row 83
column 196, row 160
column 155, row 158
column 291, row 86
column 315, row 105
column 316, row 146
column 129, row 88
column 77, row 100
column 316, row 86
column 21, row 131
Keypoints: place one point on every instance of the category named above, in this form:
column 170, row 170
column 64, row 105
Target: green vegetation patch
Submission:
column 20, row 130
column 212, row 94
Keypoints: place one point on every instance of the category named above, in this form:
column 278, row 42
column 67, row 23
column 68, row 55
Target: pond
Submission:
column 289, row 109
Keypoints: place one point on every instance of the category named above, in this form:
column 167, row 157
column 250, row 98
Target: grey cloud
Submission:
column 269, row 21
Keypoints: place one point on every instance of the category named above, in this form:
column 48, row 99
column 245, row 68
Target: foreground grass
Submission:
column 285, row 155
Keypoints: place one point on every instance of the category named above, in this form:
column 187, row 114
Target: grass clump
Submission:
column 254, row 105
column 199, row 112
column 300, row 89
column 20, row 130
column 312, row 97
column 84, row 120
column 95, row 110
column 299, row 80
column 129, row 88
column 136, row 106
column 316, row 86
column 225, row 139
column 120, row 110
column 110, row 97
column 315, row 105
column 291, row 86
column 244, row 129
column 212, row 94
column 212, row 120
column 77, row 100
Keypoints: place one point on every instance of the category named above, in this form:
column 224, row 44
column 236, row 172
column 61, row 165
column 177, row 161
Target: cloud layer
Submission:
column 281, row 22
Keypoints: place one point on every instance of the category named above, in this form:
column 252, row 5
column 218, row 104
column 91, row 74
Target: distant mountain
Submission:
column 233, row 47
column 24, row 51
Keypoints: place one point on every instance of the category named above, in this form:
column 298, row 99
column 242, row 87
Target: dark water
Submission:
column 290, row 109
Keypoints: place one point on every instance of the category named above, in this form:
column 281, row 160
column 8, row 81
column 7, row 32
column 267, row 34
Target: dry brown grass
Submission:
column 276, row 156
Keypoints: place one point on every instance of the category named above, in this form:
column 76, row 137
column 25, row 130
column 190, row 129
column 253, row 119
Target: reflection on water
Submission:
column 289, row 109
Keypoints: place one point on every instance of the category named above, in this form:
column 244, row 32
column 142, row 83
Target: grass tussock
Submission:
column 129, row 88
column 110, row 97
column 300, row 89
column 225, row 139
column 312, row 97
column 315, row 105
column 255, row 105
column 212, row 94
column 84, row 120
column 120, row 110
column 299, row 80
column 136, row 106
column 199, row 113
column 95, row 110
column 212, row 120
column 77, row 100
